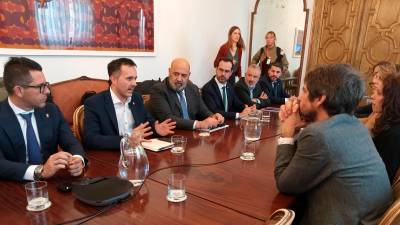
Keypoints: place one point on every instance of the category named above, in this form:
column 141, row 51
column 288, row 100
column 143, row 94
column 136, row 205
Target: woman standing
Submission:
column 270, row 53
column 384, row 121
column 232, row 49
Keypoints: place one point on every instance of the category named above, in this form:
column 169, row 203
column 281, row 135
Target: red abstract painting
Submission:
column 100, row 25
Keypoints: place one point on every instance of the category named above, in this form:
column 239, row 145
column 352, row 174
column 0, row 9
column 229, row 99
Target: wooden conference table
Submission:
column 220, row 191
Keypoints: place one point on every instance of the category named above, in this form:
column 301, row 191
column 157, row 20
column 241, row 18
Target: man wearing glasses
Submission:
column 31, row 129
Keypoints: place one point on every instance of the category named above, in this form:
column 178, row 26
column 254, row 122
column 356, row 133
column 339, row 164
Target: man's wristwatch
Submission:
column 37, row 174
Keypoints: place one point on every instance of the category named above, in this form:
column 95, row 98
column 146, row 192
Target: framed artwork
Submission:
column 298, row 42
column 77, row 27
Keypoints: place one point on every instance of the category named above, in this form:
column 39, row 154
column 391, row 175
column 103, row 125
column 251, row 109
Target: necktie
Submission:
column 275, row 87
column 182, row 101
column 225, row 98
column 34, row 154
column 251, row 92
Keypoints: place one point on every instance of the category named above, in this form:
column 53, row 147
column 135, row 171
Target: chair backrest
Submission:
column 77, row 125
column 281, row 217
column 144, row 87
column 3, row 92
column 67, row 94
column 396, row 184
column 146, row 99
column 392, row 215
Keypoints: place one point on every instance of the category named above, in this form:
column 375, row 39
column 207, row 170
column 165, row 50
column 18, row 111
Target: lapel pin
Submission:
column 47, row 115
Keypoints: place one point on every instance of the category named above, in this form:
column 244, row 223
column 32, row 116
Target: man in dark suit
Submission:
column 119, row 110
column 176, row 97
column 219, row 96
column 31, row 129
column 273, row 85
column 332, row 162
column 249, row 90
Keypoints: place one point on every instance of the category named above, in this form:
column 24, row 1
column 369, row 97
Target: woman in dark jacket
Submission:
column 385, row 121
column 269, row 54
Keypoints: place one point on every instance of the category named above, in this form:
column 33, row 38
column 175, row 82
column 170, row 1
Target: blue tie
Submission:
column 182, row 101
column 34, row 154
column 224, row 98
column 251, row 92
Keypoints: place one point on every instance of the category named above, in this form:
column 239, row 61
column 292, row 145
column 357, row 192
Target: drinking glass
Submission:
column 37, row 196
column 266, row 116
column 248, row 151
column 179, row 143
column 252, row 130
column 176, row 188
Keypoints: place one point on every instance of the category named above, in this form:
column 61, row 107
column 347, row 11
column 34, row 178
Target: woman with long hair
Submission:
column 269, row 54
column 379, row 72
column 384, row 121
column 232, row 49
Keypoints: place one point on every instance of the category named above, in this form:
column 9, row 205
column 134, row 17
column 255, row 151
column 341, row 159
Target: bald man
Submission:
column 176, row 97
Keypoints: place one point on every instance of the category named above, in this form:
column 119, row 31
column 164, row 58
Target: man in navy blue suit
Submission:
column 31, row 129
column 272, row 84
column 119, row 110
column 219, row 95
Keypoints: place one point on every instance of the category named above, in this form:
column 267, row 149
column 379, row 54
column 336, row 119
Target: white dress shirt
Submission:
column 124, row 114
column 23, row 124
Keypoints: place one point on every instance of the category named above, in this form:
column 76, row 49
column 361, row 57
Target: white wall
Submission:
column 282, row 17
column 183, row 28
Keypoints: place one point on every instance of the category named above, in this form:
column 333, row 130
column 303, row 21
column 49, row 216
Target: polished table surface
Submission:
column 221, row 188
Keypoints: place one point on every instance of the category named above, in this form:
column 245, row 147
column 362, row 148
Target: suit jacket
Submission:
column 53, row 131
column 387, row 143
column 213, row 99
column 164, row 104
column 100, row 121
column 343, row 179
column 223, row 53
column 279, row 96
column 243, row 93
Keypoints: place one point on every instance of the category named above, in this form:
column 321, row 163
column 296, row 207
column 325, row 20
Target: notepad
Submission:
column 157, row 145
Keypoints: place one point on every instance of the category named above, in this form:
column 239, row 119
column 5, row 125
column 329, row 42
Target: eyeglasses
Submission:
column 41, row 87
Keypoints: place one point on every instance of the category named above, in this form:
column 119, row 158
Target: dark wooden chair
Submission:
column 67, row 94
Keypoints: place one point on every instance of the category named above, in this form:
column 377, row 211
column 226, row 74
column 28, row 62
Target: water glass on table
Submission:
column 37, row 196
column 179, row 142
column 248, row 152
column 176, row 188
column 266, row 116
column 252, row 130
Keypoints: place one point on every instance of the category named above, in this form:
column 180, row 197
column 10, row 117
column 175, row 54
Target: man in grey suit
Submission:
column 332, row 162
column 176, row 97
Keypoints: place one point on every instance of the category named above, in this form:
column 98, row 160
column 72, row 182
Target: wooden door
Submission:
column 358, row 32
